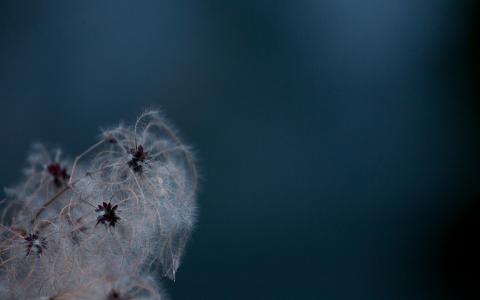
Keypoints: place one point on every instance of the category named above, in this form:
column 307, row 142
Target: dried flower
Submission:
column 106, row 214
column 35, row 244
column 59, row 174
column 146, row 170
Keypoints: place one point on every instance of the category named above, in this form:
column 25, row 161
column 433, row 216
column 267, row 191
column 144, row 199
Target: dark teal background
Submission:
column 338, row 140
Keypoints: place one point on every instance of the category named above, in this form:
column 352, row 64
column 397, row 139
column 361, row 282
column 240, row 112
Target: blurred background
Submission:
column 338, row 140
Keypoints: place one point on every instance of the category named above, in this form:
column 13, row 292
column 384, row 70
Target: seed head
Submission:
column 59, row 174
column 138, row 157
column 106, row 214
column 35, row 244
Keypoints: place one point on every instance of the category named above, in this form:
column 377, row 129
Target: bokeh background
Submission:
column 338, row 140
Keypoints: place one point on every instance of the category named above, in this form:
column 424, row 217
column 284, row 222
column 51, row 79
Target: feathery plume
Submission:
column 94, row 228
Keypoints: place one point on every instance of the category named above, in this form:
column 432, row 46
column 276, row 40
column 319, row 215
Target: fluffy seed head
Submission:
column 147, row 179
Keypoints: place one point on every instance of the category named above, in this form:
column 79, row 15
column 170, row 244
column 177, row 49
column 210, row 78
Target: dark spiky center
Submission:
column 35, row 244
column 59, row 174
column 138, row 157
column 114, row 295
column 107, row 214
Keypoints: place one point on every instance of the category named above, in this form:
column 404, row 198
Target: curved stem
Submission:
column 188, row 155
column 50, row 201
column 75, row 162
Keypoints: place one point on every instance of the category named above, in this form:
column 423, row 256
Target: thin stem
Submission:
column 50, row 201
column 188, row 155
column 10, row 230
column 75, row 162
column 138, row 121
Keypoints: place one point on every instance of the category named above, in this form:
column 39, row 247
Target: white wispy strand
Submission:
column 127, row 208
